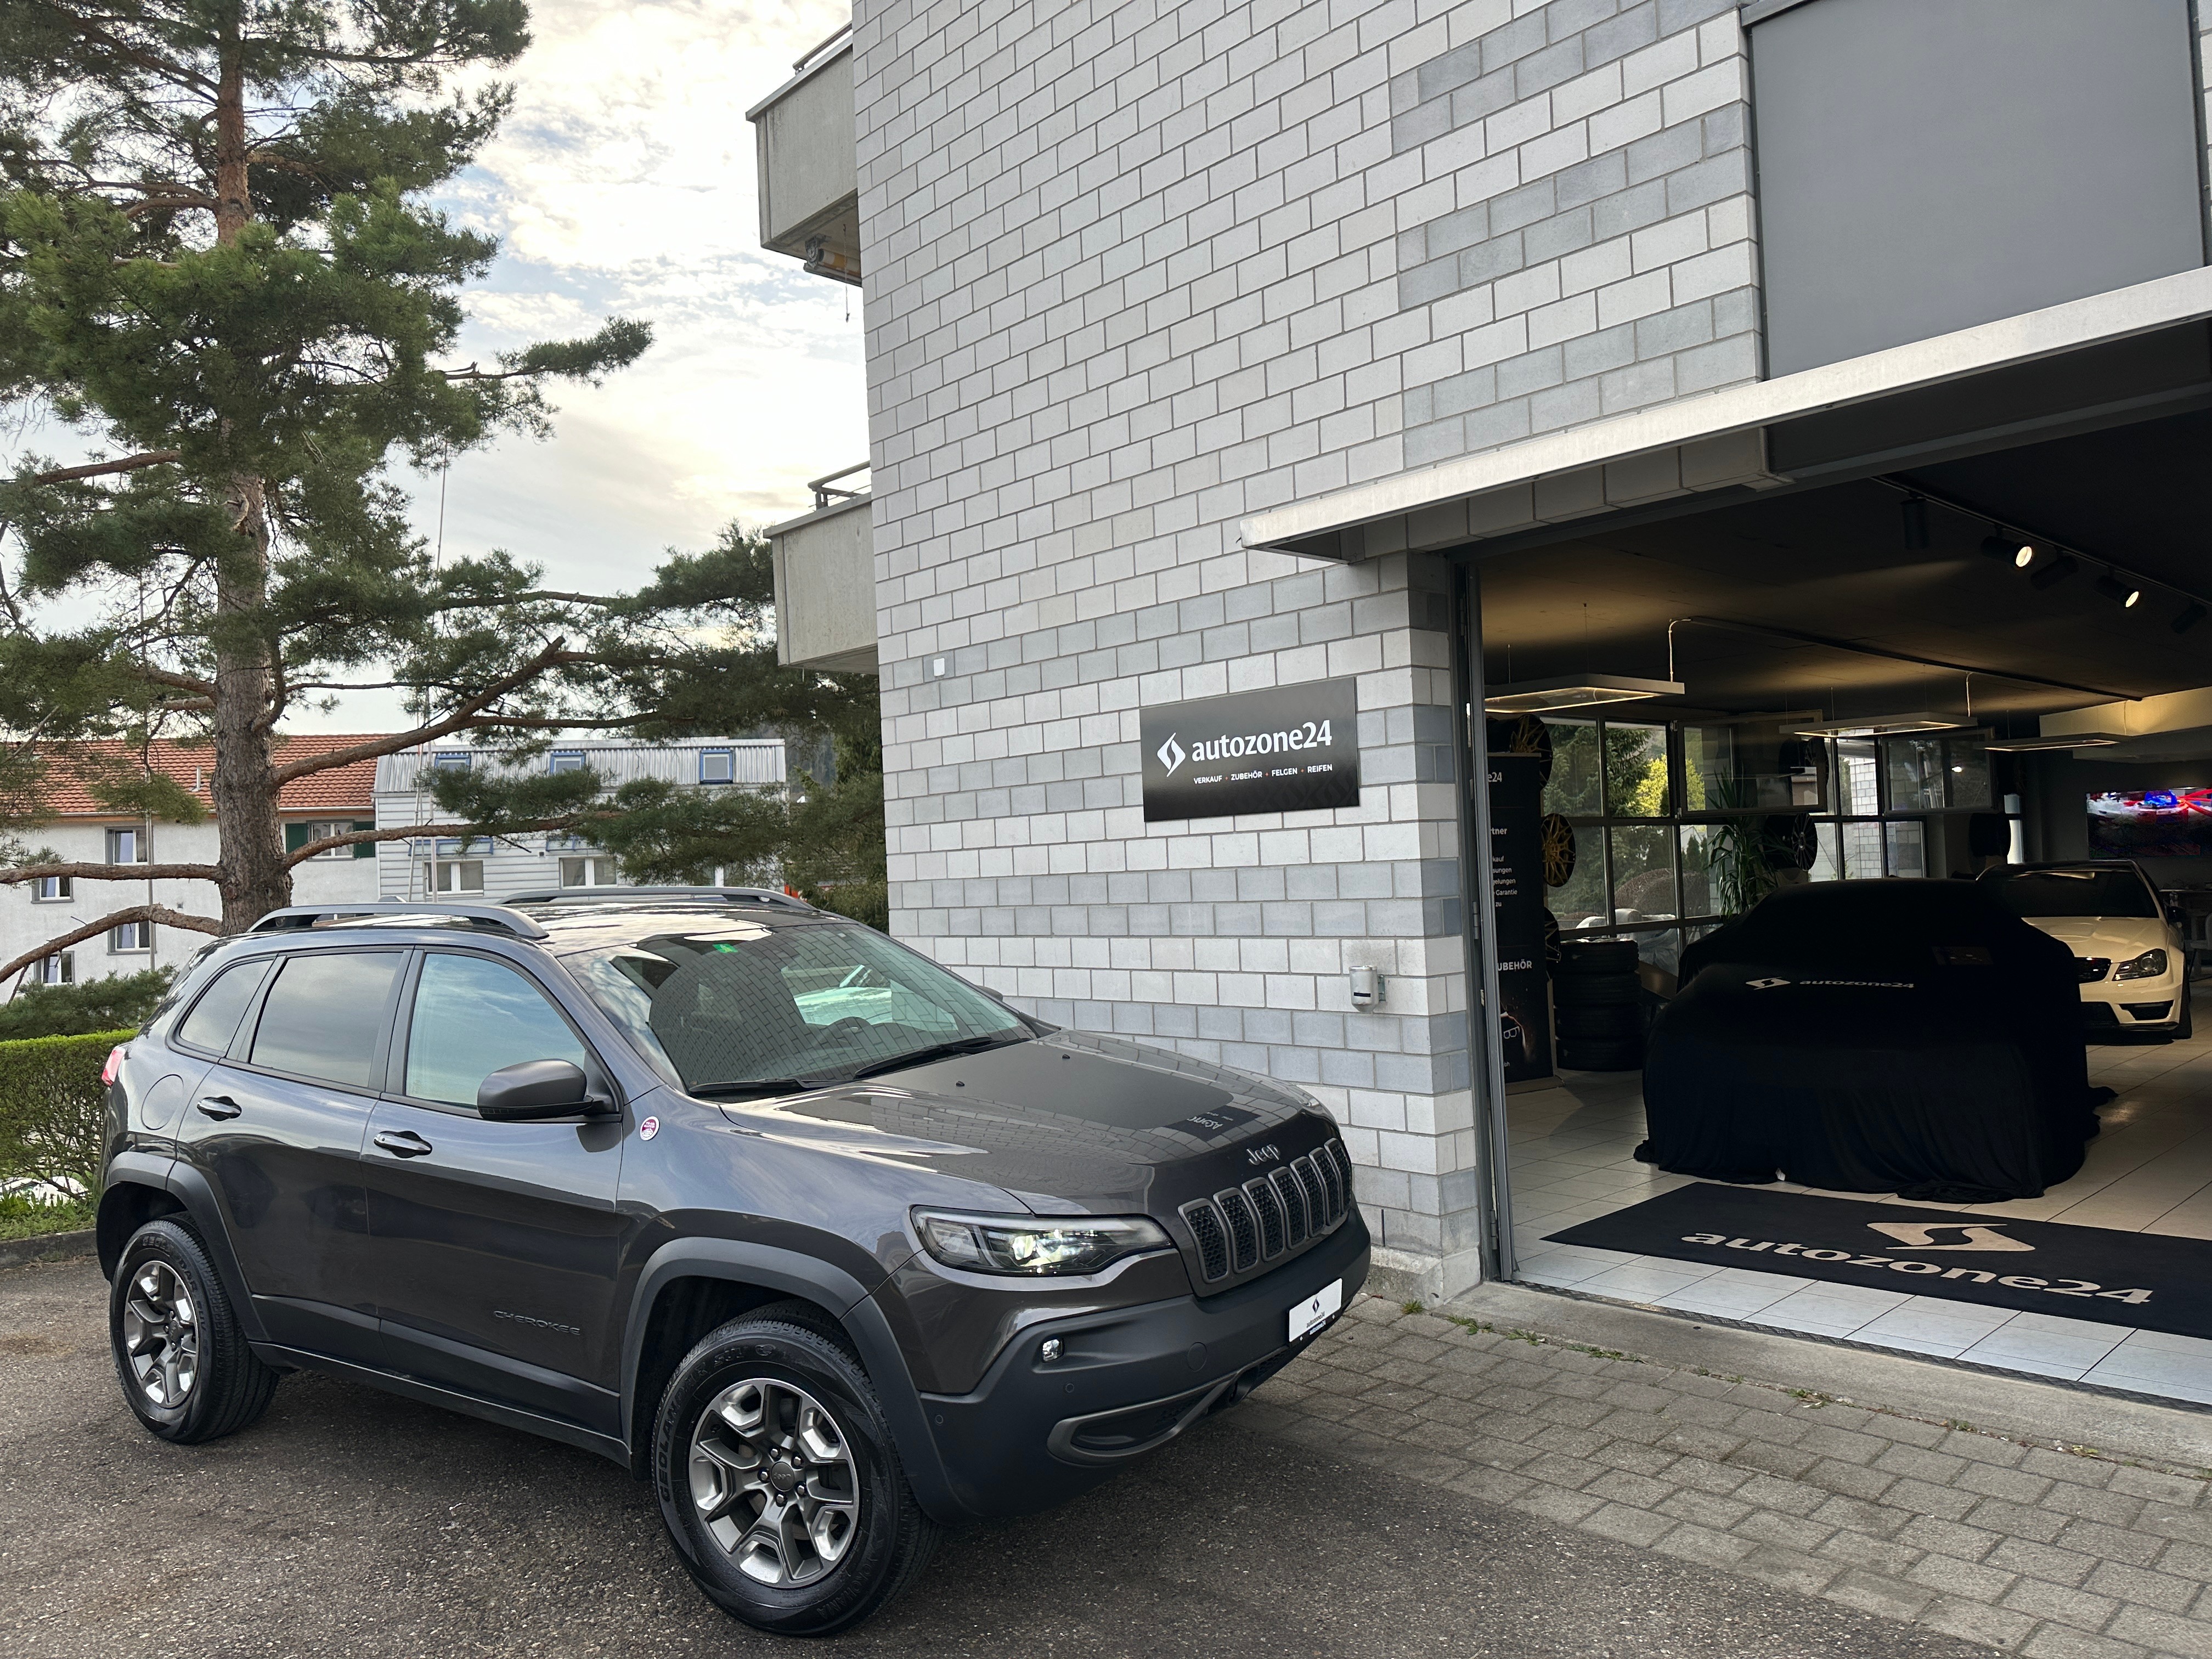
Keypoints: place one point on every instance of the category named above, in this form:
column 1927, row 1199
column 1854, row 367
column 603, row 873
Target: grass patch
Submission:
column 20, row 1218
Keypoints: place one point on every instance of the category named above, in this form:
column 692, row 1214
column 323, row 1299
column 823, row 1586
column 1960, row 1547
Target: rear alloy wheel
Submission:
column 185, row 1365
column 779, row 1480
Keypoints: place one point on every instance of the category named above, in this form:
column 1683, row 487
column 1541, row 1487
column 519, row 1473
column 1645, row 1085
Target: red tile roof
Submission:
column 341, row 789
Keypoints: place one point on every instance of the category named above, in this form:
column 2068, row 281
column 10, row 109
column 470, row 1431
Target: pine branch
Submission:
column 158, row 913
column 461, row 719
column 103, row 469
column 440, row 831
column 23, row 872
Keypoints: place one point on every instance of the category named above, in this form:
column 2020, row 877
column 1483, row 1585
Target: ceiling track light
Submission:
column 2009, row 547
column 2119, row 593
column 2191, row 614
column 2057, row 571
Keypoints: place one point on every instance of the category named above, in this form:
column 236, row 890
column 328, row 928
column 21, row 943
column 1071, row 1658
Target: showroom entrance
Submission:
column 1965, row 1112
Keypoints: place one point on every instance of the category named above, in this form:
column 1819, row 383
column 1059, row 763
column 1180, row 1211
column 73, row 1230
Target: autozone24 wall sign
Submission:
column 1290, row 749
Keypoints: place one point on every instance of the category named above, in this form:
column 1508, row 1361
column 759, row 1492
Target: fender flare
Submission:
column 190, row 1186
column 834, row 1288
column 127, row 1168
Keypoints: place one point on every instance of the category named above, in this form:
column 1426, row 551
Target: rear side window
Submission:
column 326, row 1013
column 471, row 1016
column 214, row 1018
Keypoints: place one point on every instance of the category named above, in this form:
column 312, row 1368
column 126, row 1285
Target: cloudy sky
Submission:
column 623, row 185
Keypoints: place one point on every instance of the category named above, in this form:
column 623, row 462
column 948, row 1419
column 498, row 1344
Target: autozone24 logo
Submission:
column 1311, row 734
column 1924, row 1235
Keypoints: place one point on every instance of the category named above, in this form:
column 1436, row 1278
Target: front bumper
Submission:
column 1033, row 1434
column 2139, row 1005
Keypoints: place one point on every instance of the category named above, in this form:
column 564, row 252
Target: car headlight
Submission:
column 1035, row 1244
column 2149, row 965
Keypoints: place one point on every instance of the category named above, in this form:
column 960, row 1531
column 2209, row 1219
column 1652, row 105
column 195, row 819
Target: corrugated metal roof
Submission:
column 341, row 789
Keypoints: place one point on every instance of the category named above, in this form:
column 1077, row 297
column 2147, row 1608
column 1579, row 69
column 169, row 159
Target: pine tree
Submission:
column 218, row 266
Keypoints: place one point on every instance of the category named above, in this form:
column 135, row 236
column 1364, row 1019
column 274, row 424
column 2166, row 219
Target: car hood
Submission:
column 2117, row 937
column 1066, row 1124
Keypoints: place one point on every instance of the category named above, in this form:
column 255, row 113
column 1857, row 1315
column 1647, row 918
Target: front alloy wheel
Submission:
column 774, row 1482
column 779, row 1477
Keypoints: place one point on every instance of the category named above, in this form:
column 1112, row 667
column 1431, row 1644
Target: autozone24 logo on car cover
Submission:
column 1288, row 749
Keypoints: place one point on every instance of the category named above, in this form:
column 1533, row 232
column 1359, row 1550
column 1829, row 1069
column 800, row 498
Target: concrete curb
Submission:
column 46, row 1246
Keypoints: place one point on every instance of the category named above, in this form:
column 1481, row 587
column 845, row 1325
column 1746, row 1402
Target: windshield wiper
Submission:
column 945, row 1051
column 760, row 1085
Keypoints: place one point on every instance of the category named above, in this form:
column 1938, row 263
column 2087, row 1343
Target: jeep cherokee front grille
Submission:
column 1212, row 1238
column 1241, row 1228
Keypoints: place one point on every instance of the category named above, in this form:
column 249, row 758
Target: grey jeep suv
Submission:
column 834, row 1248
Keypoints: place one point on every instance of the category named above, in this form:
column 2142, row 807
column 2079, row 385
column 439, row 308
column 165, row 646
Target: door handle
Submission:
column 403, row 1142
column 219, row 1106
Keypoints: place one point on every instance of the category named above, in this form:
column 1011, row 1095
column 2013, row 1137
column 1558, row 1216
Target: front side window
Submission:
column 132, row 936
column 473, row 1016
column 325, row 1014
column 59, row 968
column 48, row 888
column 733, row 1005
column 128, row 847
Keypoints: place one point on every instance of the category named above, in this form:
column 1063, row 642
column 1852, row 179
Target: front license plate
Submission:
column 1317, row 1310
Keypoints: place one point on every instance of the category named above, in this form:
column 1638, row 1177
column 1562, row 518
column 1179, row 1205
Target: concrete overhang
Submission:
column 810, row 192
column 2138, row 349
column 824, row 566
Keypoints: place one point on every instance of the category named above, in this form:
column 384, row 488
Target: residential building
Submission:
column 81, row 831
column 488, row 868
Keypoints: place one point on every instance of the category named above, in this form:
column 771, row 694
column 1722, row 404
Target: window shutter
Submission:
column 364, row 849
column 295, row 836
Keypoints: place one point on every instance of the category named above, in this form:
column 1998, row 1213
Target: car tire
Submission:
column 1615, row 1021
column 1596, row 990
column 185, row 1367
column 779, row 1479
column 1597, row 956
column 1600, row 1054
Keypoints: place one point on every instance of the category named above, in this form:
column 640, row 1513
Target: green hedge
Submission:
column 52, row 1108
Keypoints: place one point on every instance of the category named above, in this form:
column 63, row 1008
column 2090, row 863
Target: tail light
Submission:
column 114, row 1069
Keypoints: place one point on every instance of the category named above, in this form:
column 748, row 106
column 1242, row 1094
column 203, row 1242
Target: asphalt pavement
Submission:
column 350, row 1520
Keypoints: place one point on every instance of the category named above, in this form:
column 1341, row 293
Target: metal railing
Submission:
column 822, row 492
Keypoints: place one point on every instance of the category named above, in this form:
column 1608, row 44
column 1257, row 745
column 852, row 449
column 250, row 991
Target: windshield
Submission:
column 2073, row 892
column 752, row 1004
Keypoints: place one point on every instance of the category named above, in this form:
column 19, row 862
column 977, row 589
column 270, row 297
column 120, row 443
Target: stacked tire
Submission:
column 1597, row 1005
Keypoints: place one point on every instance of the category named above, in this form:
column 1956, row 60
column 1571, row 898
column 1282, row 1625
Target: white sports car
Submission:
column 2135, row 973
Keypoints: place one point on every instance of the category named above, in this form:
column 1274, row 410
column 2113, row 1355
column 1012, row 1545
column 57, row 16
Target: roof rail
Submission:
column 307, row 915
column 615, row 895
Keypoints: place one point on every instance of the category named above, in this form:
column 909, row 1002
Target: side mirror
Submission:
column 534, row 1089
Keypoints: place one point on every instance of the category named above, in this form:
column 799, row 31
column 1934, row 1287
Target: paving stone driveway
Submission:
column 2049, row 1553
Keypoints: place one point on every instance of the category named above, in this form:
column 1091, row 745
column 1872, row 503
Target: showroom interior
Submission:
column 1943, row 625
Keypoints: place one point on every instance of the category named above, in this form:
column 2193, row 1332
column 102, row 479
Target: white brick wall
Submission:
column 1136, row 269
